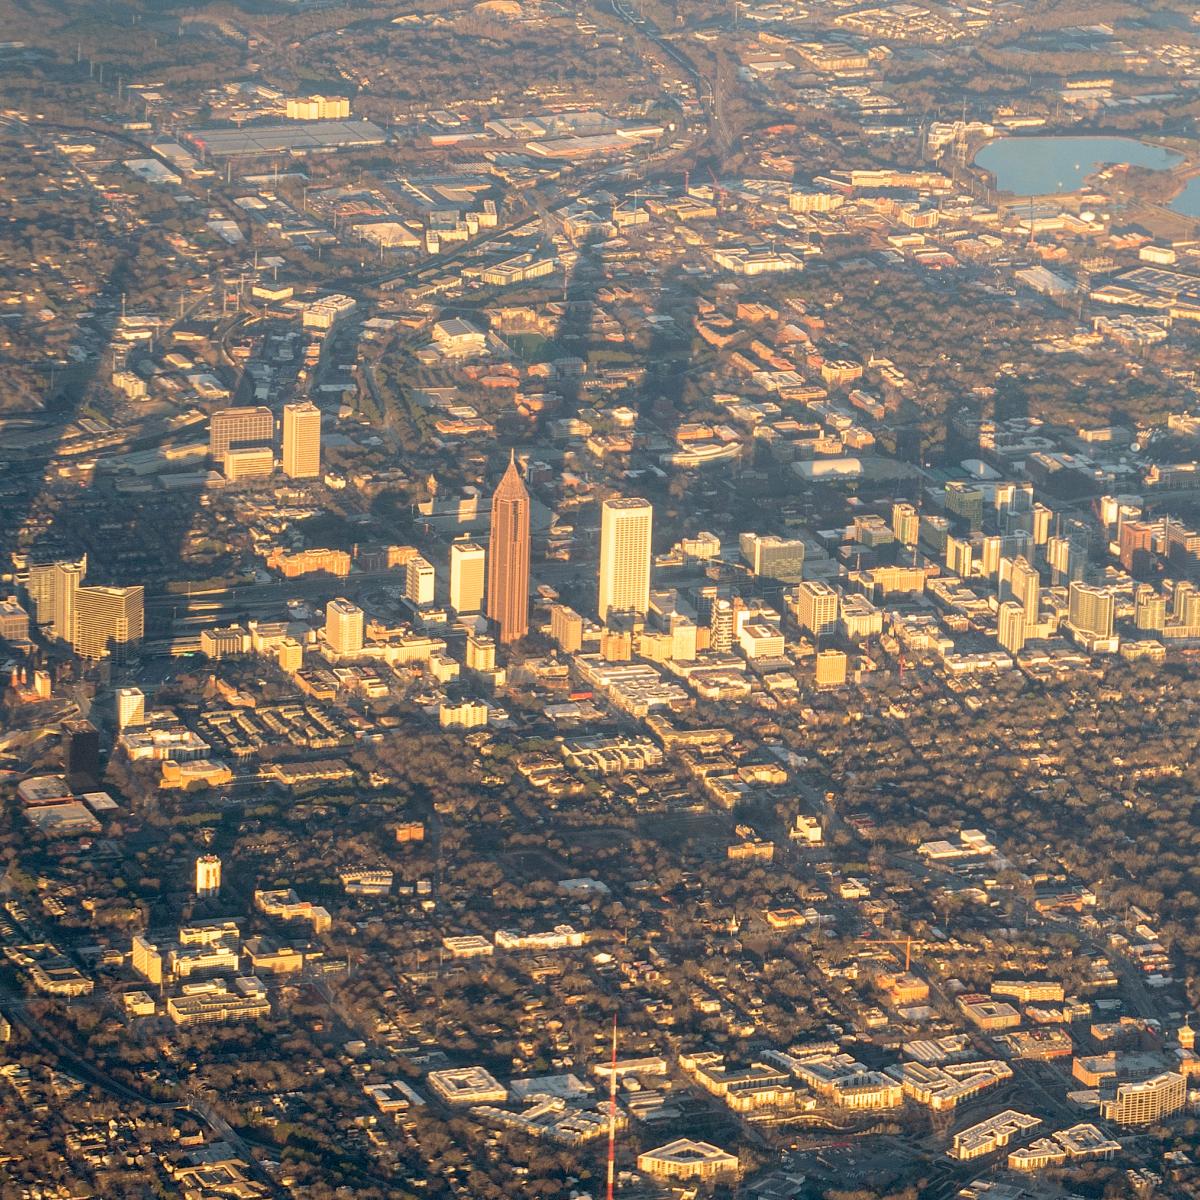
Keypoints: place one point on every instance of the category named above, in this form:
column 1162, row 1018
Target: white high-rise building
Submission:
column 301, row 441
column 1091, row 610
column 625, row 530
column 1025, row 587
column 68, row 578
column 467, row 572
column 816, row 606
column 419, row 581
column 131, row 707
column 208, row 875
column 1010, row 626
column 344, row 626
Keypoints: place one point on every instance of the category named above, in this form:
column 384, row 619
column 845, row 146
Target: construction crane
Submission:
column 907, row 943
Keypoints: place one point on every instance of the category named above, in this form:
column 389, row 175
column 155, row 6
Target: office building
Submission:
column 1182, row 544
column 687, row 1159
column 107, row 619
column 224, row 641
column 1011, row 499
column 906, row 523
column 147, row 960
column 467, row 577
column 625, row 538
column 1010, row 622
column 239, row 428
column 301, row 441
column 831, row 668
column 965, row 501
column 771, row 557
column 1145, row 1101
column 290, row 655
column 566, row 628
column 211, row 1002
column 933, row 531
column 815, row 607
column 248, row 462
column 14, row 621
column 1091, row 610
column 208, row 876
column 82, row 746
column 343, row 626
column 508, row 555
column 131, row 707
column 1135, row 542
column 419, row 582
column 760, row 639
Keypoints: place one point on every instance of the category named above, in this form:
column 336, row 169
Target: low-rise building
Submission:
column 467, row 1085
column 687, row 1159
column 993, row 1134
column 214, row 1002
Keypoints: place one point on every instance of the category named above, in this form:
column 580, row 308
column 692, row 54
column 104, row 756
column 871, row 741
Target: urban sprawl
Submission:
column 600, row 600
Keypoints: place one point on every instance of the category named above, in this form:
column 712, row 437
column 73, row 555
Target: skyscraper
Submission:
column 959, row 556
column 42, row 586
column 508, row 551
column 131, row 707
column 905, row 523
column 467, row 575
column 1150, row 608
column 67, row 579
column 1026, row 585
column 82, row 754
column 107, row 618
column 420, row 580
column 566, row 628
column 301, row 441
column 816, row 608
column 1091, row 610
column 625, row 527
column 343, row 626
column 1010, row 626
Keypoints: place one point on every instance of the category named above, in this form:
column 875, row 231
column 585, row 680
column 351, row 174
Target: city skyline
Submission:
column 599, row 602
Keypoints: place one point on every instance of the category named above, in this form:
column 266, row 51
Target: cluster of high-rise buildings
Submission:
column 94, row 620
column 241, row 441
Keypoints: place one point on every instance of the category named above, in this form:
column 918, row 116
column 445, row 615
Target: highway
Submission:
column 703, row 87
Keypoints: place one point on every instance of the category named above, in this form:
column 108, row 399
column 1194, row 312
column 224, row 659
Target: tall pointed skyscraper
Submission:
column 508, row 557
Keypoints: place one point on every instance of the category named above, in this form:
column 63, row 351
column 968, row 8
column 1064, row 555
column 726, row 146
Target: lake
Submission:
column 1188, row 201
column 1038, row 166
